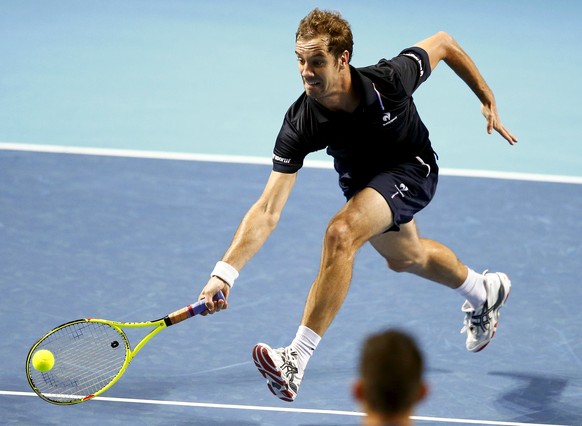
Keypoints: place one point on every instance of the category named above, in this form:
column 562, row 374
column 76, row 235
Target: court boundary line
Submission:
column 221, row 158
column 283, row 409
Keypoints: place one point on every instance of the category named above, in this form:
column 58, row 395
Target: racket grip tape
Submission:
column 190, row 310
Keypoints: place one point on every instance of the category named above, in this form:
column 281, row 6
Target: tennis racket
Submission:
column 92, row 354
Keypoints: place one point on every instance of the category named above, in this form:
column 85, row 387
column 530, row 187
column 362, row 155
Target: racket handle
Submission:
column 190, row 310
column 200, row 306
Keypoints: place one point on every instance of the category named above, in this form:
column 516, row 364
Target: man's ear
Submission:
column 358, row 391
column 423, row 391
column 344, row 59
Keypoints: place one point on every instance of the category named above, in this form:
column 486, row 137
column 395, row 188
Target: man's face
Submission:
column 318, row 68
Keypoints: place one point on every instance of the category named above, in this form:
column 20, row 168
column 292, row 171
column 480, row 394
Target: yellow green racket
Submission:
column 90, row 355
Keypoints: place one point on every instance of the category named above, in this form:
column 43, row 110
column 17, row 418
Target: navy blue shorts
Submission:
column 407, row 187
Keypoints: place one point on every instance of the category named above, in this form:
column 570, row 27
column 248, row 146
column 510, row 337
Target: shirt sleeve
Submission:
column 413, row 68
column 287, row 155
column 399, row 77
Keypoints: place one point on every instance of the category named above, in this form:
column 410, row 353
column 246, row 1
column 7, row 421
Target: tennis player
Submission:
column 390, row 382
column 367, row 120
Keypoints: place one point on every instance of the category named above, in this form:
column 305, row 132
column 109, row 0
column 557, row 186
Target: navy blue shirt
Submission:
column 383, row 131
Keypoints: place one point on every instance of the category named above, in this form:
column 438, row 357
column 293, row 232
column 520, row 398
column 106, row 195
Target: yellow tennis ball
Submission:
column 43, row 360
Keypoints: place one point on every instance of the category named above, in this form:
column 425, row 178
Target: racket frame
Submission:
column 159, row 324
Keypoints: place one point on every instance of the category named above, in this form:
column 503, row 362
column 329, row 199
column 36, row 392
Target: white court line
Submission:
column 267, row 161
column 286, row 410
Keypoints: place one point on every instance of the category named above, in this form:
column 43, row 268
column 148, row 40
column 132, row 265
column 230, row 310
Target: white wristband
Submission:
column 225, row 272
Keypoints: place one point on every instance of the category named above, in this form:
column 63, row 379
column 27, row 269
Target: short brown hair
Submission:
column 391, row 369
column 330, row 25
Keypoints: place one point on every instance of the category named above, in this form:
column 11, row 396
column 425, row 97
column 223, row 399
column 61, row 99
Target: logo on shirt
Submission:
column 281, row 159
column 413, row 56
column 387, row 119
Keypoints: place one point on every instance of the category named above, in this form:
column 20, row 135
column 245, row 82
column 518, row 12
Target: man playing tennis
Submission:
column 368, row 122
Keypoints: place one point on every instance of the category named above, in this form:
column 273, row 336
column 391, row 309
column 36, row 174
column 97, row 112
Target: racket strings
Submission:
column 88, row 356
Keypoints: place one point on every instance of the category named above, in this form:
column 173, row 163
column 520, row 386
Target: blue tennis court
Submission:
column 123, row 179
column 131, row 239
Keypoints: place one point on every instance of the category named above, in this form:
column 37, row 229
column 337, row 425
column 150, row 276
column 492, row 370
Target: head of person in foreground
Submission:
column 391, row 378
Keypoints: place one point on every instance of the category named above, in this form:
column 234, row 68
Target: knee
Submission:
column 339, row 234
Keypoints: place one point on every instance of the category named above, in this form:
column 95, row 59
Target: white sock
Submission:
column 305, row 342
column 473, row 289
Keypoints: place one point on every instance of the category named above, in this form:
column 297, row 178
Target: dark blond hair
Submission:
column 391, row 369
column 329, row 25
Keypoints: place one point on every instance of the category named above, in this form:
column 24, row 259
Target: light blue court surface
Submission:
column 132, row 239
column 217, row 76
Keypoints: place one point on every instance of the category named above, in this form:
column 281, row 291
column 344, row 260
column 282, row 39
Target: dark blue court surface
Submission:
column 133, row 239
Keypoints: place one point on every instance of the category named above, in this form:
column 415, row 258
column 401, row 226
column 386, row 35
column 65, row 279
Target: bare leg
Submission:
column 364, row 216
column 405, row 251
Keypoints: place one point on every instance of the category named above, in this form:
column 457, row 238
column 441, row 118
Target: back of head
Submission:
column 391, row 370
column 329, row 25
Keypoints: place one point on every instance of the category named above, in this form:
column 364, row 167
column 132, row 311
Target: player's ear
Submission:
column 344, row 59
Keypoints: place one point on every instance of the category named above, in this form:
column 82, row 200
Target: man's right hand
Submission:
column 210, row 290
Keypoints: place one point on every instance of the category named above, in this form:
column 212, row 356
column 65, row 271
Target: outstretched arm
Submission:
column 442, row 46
column 253, row 231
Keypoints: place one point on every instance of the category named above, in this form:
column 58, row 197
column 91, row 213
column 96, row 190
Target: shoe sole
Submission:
column 275, row 380
column 506, row 282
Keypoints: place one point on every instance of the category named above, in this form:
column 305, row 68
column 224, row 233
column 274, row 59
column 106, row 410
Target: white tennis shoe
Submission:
column 480, row 324
column 279, row 367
